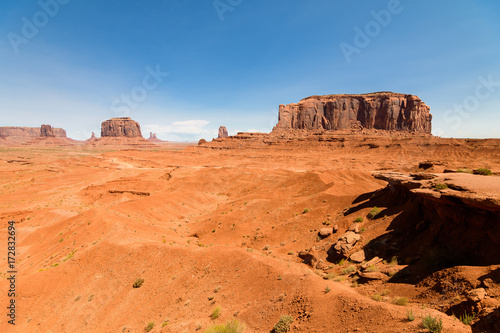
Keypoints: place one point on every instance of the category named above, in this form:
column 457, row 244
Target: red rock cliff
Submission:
column 381, row 110
column 120, row 127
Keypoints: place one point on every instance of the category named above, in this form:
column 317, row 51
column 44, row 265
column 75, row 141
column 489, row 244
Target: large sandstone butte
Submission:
column 380, row 110
column 121, row 127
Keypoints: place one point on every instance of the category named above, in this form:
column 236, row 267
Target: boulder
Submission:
column 346, row 242
column 381, row 110
column 325, row 232
column 358, row 256
column 120, row 127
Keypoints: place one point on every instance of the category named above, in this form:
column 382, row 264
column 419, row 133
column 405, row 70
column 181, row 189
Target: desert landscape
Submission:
column 350, row 216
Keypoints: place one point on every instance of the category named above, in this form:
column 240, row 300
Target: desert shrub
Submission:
column 464, row 171
column 377, row 297
column 149, row 326
column 483, row 172
column 216, row 313
column 401, row 301
column 441, row 186
column 307, row 210
column 348, row 270
column 283, row 325
column 327, row 290
column 374, row 212
column 433, row 325
column 410, row 315
column 330, row 276
column 232, row 326
column 467, row 319
column 138, row 283
column 359, row 220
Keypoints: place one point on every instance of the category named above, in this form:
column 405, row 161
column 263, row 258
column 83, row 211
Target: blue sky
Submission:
column 183, row 67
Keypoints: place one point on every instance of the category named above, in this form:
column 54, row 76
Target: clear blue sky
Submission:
column 72, row 63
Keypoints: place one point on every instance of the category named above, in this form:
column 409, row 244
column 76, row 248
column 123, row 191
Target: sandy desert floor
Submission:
column 222, row 226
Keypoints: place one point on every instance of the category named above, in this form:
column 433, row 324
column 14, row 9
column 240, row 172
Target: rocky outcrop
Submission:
column 223, row 132
column 120, row 127
column 381, row 110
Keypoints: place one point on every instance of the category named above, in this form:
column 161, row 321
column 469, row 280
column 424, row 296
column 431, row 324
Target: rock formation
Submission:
column 153, row 138
column 31, row 132
column 381, row 110
column 222, row 132
column 120, row 127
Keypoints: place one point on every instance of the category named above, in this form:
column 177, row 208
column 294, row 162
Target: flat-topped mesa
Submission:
column 120, row 127
column 380, row 110
column 32, row 132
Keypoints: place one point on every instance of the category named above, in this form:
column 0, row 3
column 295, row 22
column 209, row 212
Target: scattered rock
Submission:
column 309, row 257
column 371, row 262
column 346, row 242
column 373, row 275
column 354, row 228
column 476, row 295
column 325, row 232
column 358, row 256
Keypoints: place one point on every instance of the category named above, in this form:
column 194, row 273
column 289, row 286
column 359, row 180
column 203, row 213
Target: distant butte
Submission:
column 121, row 127
column 381, row 111
column 222, row 132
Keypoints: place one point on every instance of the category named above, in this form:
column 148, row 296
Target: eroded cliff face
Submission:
column 120, row 127
column 382, row 110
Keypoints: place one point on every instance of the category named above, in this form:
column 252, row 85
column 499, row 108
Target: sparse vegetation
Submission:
column 359, row 219
column 441, row 186
column 401, row 301
column 377, row 297
column 283, row 325
column 433, row 325
column 138, row 283
column 374, row 213
column 327, row 290
column 410, row 316
column 149, row 326
column 232, row 326
column 467, row 319
column 348, row 270
column 483, row 172
column 464, row 170
column 307, row 210
column 216, row 313
column 330, row 276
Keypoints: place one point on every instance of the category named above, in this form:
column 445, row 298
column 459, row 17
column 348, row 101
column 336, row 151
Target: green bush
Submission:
column 348, row 270
column 216, row 313
column 283, row 325
column 410, row 315
column 401, row 301
column 359, row 220
column 374, row 212
column 467, row 319
column 232, row 326
column 441, row 186
column 433, row 325
column 483, row 172
column 149, row 326
column 306, row 211
column 464, row 171
column 138, row 283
